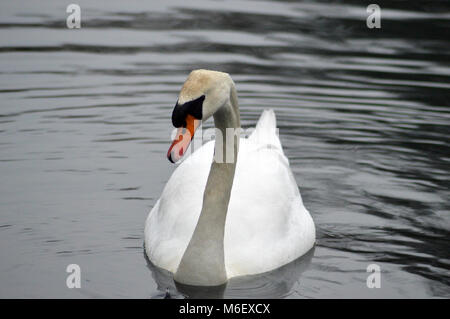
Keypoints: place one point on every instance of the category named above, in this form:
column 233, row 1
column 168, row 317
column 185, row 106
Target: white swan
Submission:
column 216, row 220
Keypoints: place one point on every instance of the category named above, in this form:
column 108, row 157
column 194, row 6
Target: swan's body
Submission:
column 266, row 223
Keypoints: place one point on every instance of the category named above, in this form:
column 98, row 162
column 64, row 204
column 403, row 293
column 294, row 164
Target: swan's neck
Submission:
column 203, row 262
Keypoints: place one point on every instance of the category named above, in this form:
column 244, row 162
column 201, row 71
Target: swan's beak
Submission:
column 182, row 140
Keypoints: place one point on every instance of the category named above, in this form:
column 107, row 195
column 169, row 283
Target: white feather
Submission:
column 267, row 225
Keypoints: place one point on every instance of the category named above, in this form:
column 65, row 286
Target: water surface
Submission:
column 85, row 124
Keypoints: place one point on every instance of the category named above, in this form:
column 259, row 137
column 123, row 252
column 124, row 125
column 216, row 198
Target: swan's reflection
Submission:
column 273, row 284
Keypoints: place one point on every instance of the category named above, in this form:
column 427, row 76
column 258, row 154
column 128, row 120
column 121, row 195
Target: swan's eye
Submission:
column 194, row 108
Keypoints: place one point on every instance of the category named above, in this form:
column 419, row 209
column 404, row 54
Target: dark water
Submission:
column 85, row 124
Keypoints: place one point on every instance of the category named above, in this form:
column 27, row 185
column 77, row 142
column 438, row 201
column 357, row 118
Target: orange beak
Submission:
column 182, row 140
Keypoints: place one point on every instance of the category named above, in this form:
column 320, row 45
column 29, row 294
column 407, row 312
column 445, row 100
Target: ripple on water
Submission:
column 363, row 117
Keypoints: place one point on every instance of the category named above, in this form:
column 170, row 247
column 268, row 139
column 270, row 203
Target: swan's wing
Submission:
column 267, row 224
column 266, row 131
column 171, row 223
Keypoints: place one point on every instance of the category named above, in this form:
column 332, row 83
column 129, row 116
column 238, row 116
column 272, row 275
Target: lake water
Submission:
column 363, row 114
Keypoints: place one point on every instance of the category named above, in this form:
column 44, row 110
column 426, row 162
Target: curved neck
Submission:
column 203, row 262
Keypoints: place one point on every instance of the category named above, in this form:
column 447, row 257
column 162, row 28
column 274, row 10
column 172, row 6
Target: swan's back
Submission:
column 267, row 225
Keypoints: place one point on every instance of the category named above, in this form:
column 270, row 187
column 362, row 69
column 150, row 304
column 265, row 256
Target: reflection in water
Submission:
column 201, row 292
column 277, row 283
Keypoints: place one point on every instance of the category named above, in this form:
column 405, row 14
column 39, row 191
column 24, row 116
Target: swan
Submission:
column 231, row 208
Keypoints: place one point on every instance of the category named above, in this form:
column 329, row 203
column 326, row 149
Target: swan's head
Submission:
column 203, row 93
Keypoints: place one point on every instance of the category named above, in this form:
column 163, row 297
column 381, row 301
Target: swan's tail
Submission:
column 266, row 131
